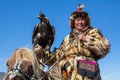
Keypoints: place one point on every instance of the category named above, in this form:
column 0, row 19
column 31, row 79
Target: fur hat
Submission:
column 79, row 14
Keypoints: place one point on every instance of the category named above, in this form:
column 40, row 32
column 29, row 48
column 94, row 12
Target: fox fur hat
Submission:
column 79, row 14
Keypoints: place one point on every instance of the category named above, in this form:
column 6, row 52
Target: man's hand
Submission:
column 38, row 50
column 82, row 37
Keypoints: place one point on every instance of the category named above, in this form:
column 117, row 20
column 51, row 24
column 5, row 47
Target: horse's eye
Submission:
column 30, row 70
column 29, row 67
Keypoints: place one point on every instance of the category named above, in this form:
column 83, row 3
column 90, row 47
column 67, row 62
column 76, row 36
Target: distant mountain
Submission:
column 2, row 74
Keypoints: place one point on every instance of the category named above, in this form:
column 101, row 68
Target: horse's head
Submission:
column 22, row 65
column 22, row 70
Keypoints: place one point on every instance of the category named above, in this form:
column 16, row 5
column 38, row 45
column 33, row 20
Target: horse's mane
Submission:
column 25, row 54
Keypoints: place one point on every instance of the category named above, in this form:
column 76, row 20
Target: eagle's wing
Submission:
column 52, row 37
column 35, row 31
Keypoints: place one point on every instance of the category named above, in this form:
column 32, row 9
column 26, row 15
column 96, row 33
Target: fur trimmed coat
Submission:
column 96, row 47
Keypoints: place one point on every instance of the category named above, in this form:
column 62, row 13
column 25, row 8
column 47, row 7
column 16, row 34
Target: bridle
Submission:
column 16, row 71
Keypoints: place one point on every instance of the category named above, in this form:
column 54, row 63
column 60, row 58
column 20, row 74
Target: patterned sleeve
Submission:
column 64, row 46
column 97, row 44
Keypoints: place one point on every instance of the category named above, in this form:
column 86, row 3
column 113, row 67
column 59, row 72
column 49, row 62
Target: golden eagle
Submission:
column 43, row 33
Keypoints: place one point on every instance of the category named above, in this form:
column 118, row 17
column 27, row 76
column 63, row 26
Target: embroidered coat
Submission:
column 74, row 50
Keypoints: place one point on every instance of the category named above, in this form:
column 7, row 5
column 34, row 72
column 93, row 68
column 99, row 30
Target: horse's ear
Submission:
column 7, row 62
column 10, row 63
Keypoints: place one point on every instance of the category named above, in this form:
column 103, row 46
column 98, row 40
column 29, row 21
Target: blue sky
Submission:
column 18, row 18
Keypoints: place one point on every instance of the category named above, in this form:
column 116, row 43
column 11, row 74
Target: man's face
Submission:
column 80, row 23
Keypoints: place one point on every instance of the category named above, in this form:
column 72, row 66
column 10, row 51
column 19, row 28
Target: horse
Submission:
column 43, row 33
column 23, row 65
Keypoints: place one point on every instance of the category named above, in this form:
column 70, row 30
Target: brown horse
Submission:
column 23, row 65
